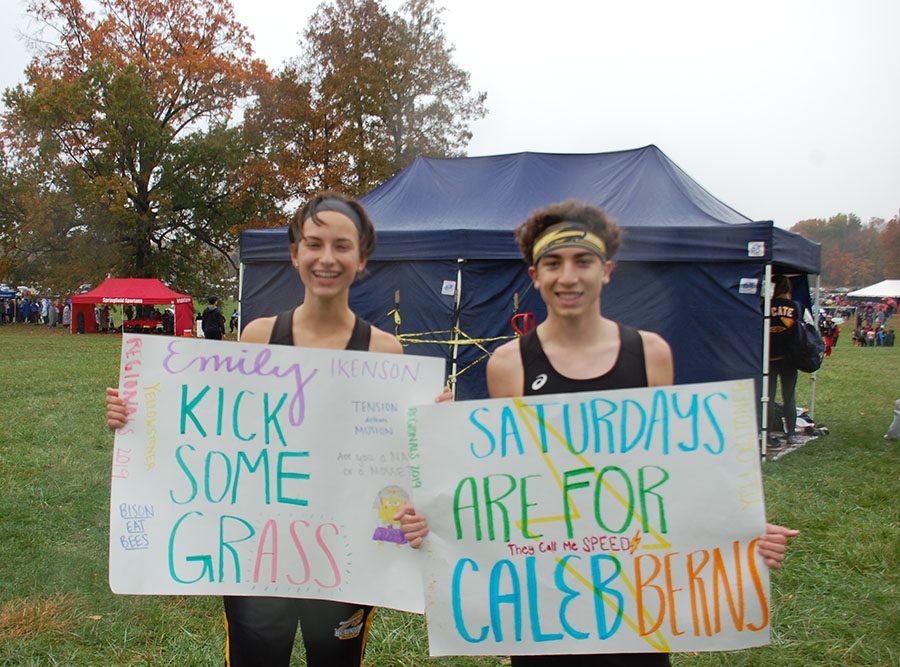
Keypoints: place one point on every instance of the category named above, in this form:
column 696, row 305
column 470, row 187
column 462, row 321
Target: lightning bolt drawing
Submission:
column 635, row 541
column 656, row 640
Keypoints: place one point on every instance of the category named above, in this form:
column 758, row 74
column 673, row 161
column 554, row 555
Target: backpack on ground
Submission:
column 806, row 349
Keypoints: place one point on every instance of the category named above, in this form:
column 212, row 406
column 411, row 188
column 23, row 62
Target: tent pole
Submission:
column 456, row 308
column 764, row 397
column 240, row 295
column 816, row 307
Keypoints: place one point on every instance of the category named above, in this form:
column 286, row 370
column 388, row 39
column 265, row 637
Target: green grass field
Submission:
column 837, row 602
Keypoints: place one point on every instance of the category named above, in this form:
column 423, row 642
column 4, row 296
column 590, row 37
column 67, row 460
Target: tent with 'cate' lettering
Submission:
column 690, row 268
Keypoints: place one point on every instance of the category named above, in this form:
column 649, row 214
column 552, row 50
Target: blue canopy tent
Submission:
column 690, row 268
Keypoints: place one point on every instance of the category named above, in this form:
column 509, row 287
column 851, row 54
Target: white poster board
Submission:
column 605, row 522
column 264, row 470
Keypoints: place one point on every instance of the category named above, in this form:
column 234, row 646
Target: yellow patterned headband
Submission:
column 567, row 234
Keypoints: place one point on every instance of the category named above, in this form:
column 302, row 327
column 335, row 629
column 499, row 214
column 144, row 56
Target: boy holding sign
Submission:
column 569, row 247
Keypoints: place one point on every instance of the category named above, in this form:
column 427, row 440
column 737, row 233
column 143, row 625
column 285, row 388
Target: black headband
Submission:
column 338, row 206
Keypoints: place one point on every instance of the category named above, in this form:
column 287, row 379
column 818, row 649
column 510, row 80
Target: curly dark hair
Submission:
column 367, row 237
column 593, row 217
column 782, row 285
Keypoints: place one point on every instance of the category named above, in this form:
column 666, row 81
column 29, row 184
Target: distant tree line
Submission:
column 855, row 254
column 146, row 136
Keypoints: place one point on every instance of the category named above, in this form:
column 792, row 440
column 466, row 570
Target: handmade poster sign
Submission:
column 265, row 470
column 622, row 521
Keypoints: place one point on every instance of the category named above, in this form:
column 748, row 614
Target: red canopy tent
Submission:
column 135, row 291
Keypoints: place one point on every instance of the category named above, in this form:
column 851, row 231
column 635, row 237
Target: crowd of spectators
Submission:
column 867, row 320
column 35, row 310
column 870, row 328
column 58, row 312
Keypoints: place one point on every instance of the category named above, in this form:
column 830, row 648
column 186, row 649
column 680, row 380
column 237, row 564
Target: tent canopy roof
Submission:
column 886, row 288
column 640, row 188
column 468, row 208
column 132, row 290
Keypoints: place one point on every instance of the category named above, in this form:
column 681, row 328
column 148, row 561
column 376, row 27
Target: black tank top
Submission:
column 283, row 334
column 629, row 371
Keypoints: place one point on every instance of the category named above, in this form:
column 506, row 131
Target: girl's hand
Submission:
column 414, row 526
column 116, row 411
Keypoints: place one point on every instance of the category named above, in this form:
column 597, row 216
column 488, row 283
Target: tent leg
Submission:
column 764, row 395
column 816, row 307
column 456, row 308
column 240, row 295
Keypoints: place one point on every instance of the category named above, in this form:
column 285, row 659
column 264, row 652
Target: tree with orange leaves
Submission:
column 890, row 242
column 122, row 140
column 372, row 90
column 853, row 252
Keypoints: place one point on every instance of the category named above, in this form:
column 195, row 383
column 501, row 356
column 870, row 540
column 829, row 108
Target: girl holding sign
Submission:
column 331, row 238
column 569, row 248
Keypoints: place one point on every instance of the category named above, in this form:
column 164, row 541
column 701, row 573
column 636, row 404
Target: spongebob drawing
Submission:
column 387, row 502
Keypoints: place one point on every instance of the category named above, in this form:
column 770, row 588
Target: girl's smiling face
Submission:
column 327, row 256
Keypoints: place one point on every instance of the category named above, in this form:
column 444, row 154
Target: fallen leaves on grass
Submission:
column 27, row 617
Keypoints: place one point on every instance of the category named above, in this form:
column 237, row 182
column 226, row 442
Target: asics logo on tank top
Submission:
column 539, row 381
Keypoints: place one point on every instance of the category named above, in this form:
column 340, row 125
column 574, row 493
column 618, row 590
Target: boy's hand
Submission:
column 773, row 545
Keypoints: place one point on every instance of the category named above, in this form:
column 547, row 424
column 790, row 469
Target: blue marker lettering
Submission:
column 486, row 431
column 457, row 604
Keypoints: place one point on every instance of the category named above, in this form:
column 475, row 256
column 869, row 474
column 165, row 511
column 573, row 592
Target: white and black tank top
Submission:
column 630, row 369
column 283, row 332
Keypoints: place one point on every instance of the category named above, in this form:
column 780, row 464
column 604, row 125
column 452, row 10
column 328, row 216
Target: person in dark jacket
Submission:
column 785, row 316
column 213, row 321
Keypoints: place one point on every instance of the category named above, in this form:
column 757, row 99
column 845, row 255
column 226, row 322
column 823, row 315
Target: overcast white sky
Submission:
column 783, row 109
